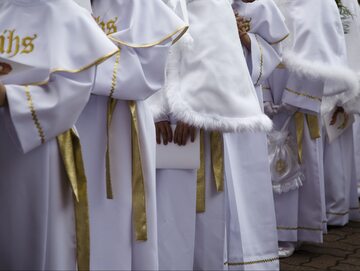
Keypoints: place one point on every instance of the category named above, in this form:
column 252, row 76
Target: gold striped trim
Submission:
column 266, row 88
column 96, row 62
column 338, row 214
column 303, row 94
column 261, row 61
column 34, row 115
column 253, row 262
column 182, row 31
column 297, row 228
column 280, row 40
column 114, row 75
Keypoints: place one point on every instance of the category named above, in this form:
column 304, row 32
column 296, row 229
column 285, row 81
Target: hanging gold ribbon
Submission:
column 217, row 159
column 217, row 162
column 200, row 186
column 138, row 185
column 70, row 150
column 111, row 105
column 110, row 111
column 313, row 126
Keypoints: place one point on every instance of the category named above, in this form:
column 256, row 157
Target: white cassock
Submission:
column 208, row 86
column 47, row 88
column 339, row 163
column 254, row 244
column 352, row 38
column 312, row 69
column 144, row 31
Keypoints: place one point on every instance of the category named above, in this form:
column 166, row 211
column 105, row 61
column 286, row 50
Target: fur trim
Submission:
column 343, row 80
column 353, row 106
column 181, row 111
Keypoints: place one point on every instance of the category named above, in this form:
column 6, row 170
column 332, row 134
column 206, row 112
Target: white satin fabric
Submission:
column 208, row 84
column 53, row 53
column 38, row 225
column 300, row 214
column 139, row 74
column 340, row 156
column 316, row 48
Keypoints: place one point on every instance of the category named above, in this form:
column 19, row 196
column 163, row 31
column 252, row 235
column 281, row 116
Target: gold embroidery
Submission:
column 34, row 115
column 281, row 166
column 280, row 40
column 303, row 94
column 12, row 44
column 261, row 61
column 108, row 27
column 110, row 111
column 297, row 228
column 253, row 262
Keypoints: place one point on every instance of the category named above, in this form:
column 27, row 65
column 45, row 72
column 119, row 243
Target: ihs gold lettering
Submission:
column 12, row 44
column 108, row 27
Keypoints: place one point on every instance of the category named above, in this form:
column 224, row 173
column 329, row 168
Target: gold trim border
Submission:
column 303, row 94
column 280, row 40
column 96, row 62
column 281, row 228
column 34, row 115
column 261, row 60
column 253, row 262
column 182, row 31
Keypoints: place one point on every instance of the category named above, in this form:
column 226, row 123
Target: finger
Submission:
column 179, row 134
column 169, row 132
column 158, row 136
column 185, row 135
column 164, row 135
column 176, row 134
column 193, row 134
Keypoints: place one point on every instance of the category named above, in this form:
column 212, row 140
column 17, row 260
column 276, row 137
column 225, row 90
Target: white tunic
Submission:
column 143, row 30
column 46, row 91
column 340, row 167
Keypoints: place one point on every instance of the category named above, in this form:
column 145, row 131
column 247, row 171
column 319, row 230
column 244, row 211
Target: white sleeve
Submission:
column 40, row 113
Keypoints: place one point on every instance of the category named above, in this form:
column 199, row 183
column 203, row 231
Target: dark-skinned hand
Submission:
column 5, row 68
column 2, row 95
column 164, row 131
column 243, row 28
column 182, row 133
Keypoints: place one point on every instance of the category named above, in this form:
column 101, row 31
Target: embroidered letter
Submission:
column 28, row 44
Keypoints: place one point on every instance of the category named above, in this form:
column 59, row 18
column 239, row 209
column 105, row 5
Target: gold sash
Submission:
column 313, row 126
column 70, row 150
column 217, row 162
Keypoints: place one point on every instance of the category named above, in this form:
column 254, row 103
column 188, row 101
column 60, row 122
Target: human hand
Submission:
column 5, row 68
column 164, row 131
column 270, row 109
column 2, row 95
column 182, row 132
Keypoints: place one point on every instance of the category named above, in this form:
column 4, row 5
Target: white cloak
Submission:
column 144, row 31
column 48, row 87
column 316, row 50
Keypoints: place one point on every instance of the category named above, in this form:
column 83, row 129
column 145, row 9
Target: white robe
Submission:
column 252, row 242
column 204, row 102
column 37, row 231
column 144, row 32
column 339, row 158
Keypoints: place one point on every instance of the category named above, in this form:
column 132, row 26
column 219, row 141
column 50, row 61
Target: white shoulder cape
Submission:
column 316, row 47
column 208, row 85
column 261, row 14
column 138, row 23
column 36, row 49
